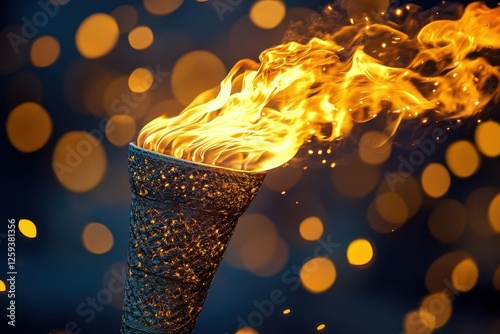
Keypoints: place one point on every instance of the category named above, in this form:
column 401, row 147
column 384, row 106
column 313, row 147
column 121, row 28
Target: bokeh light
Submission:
column 318, row 275
column 374, row 147
column 29, row 127
column 196, row 72
column 140, row 80
column 494, row 213
column 126, row 17
column 162, row 7
column 392, row 207
column 320, row 327
column 267, row 14
column 97, row 238
column 414, row 324
column 3, row 287
column 478, row 207
column 79, row 161
column 97, row 35
column 438, row 277
column 435, row 180
column 487, row 138
column 462, row 158
column 447, row 221
column 256, row 246
column 359, row 252
column 246, row 330
column 140, row 37
column 311, row 228
column 435, row 310
column 120, row 130
column 465, row 275
column 27, row 228
column 287, row 311
column 44, row 51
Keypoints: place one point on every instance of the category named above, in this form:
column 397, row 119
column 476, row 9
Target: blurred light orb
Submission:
column 29, row 127
column 462, row 158
column 3, row 287
column 318, row 274
column 126, row 17
column 320, row 327
column 246, row 330
column 407, row 187
column 27, row 228
column 311, row 228
column 359, row 252
column 374, row 147
column 435, row 310
column 97, row 238
column 79, row 161
column 435, row 180
column 439, row 275
column 140, row 80
column 480, row 210
column 414, row 324
column 392, row 207
column 162, row 7
column 494, row 213
column 194, row 73
column 120, row 130
column 267, row 14
column 141, row 37
column 44, row 51
column 447, row 222
column 487, row 138
column 97, row 35
column 465, row 275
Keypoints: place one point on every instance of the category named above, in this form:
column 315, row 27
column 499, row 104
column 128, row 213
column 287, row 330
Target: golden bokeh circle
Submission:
column 494, row 213
column 97, row 238
column 359, row 252
column 126, row 17
column 374, row 147
column 318, row 274
column 392, row 207
column 311, row 228
column 462, row 158
column 435, row 310
column 97, row 35
column 140, row 37
column 267, row 14
column 194, row 73
column 435, row 180
column 162, row 7
column 120, row 130
column 29, row 127
column 44, row 51
column 487, row 138
column 79, row 161
column 140, row 80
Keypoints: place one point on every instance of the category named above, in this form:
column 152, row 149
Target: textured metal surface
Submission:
column 182, row 217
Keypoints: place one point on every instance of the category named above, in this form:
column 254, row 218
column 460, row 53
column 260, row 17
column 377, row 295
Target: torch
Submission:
column 182, row 217
column 193, row 175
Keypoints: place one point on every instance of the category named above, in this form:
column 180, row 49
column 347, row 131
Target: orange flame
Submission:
column 263, row 113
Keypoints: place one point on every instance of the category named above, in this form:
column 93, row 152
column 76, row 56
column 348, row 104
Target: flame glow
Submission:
column 262, row 113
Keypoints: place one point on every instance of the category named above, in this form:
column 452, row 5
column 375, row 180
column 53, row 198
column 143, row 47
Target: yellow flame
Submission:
column 263, row 113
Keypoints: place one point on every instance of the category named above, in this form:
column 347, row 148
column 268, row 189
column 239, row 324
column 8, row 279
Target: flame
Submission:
column 262, row 113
